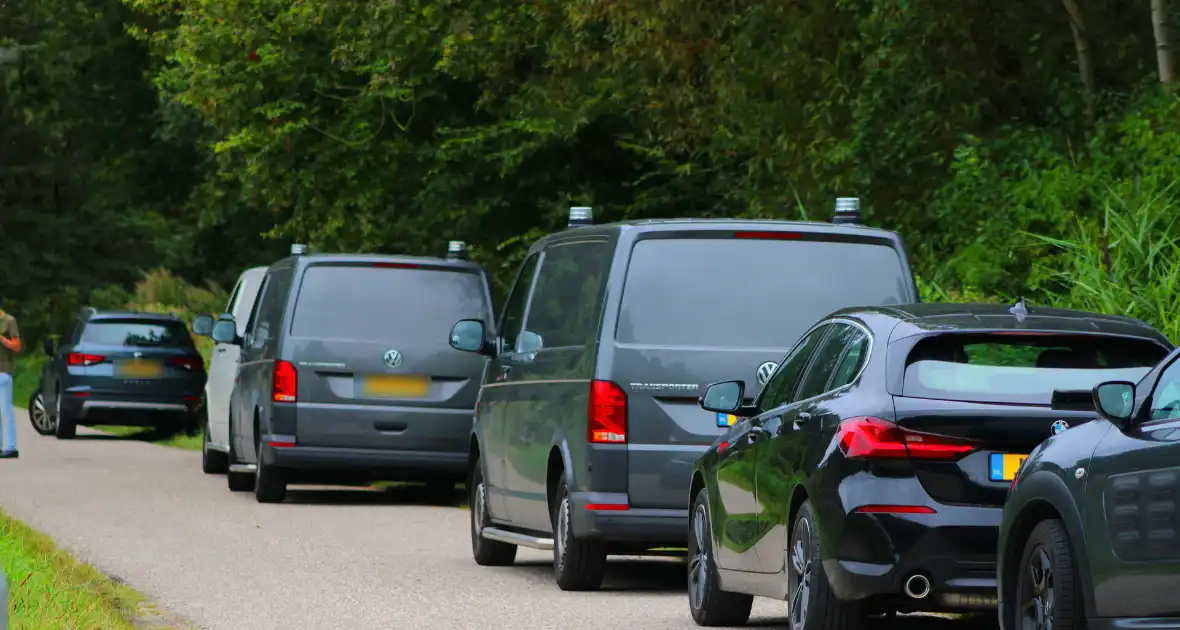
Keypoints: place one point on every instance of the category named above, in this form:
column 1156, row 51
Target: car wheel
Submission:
column 811, row 604
column 578, row 565
column 65, row 428
column 42, row 421
column 237, row 481
column 487, row 553
column 212, row 462
column 710, row 606
column 270, row 485
column 1048, row 595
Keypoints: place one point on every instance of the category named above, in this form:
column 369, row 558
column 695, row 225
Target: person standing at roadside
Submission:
column 9, row 348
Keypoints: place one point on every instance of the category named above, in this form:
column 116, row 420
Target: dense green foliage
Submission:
column 207, row 135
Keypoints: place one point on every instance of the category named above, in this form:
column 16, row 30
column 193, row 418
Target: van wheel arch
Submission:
column 554, row 471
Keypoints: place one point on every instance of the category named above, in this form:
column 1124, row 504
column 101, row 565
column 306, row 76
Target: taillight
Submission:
column 773, row 236
column 874, row 438
column 607, row 414
column 79, row 358
column 396, row 265
column 286, row 382
column 192, row 364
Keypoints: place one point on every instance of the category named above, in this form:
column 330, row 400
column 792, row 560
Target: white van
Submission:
column 222, row 370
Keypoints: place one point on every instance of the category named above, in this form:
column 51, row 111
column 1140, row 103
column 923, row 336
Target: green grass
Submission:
column 154, row 436
column 48, row 589
column 27, row 376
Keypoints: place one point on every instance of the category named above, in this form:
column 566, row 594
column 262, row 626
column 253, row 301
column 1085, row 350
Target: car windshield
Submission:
column 140, row 333
column 750, row 293
column 1022, row 368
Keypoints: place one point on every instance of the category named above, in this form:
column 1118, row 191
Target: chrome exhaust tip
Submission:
column 917, row 586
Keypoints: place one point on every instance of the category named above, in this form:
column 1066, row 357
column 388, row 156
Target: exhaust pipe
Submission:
column 917, row 586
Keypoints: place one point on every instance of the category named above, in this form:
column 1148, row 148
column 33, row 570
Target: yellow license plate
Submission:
column 139, row 369
column 395, row 386
column 1005, row 465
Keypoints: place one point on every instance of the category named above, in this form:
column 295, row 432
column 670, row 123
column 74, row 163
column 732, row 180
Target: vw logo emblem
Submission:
column 393, row 358
column 1059, row 426
column 765, row 371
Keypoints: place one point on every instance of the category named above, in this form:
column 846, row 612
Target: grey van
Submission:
column 587, row 424
column 345, row 374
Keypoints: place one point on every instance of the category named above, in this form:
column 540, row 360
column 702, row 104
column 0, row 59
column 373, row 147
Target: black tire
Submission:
column 193, row 423
column 811, row 603
column 578, row 565
column 1047, row 571
column 212, row 462
column 270, row 484
column 42, row 421
column 709, row 605
column 65, row 428
column 487, row 553
column 237, row 481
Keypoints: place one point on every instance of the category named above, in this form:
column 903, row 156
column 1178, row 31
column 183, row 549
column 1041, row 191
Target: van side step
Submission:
column 513, row 538
column 244, row 468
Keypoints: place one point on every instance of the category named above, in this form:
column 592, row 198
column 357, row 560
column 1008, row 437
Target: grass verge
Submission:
column 49, row 589
column 155, row 436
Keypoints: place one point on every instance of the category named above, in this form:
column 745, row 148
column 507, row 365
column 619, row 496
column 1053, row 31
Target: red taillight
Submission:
column 286, row 382
column 78, row 358
column 894, row 509
column 874, row 438
column 607, row 414
column 607, row 507
column 396, row 265
column 192, row 364
column 779, row 236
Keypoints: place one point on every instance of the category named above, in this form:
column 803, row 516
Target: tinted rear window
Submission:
column 386, row 304
column 750, row 293
column 140, row 333
column 1023, row 369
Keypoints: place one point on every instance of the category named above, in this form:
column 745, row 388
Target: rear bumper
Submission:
column 641, row 525
column 116, row 408
column 365, row 463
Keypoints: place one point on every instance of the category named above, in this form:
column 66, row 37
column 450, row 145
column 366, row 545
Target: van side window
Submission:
column 233, row 297
column 780, row 387
column 512, row 321
column 827, row 358
column 567, row 302
column 268, row 313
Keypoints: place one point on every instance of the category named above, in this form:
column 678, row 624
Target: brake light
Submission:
column 192, row 364
column 874, row 438
column 779, row 236
column 894, row 509
column 79, row 358
column 285, row 385
column 396, row 265
column 607, row 414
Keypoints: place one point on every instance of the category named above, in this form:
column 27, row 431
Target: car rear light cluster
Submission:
column 285, row 386
column 81, row 358
column 874, row 438
column 607, row 414
column 192, row 364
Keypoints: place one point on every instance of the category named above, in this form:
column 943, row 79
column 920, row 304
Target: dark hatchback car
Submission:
column 1091, row 531
column 587, row 425
column 122, row 368
column 870, row 475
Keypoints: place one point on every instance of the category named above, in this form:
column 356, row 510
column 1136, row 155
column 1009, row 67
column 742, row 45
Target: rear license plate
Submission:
column 1005, row 465
column 395, row 386
column 139, row 368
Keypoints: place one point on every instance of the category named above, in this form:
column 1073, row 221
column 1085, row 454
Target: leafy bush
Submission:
column 161, row 291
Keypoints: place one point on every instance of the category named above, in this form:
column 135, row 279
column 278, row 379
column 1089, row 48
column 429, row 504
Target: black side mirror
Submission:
column 47, row 345
column 226, row 331
column 726, row 397
column 203, row 325
column 1115, row 401
column 469, row 335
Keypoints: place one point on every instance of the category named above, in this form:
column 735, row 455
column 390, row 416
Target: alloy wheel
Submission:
column 40, row 415
column 563, row 517
column 1037, row 592
column 480, row 507
column 799, row 573
column 698, row 562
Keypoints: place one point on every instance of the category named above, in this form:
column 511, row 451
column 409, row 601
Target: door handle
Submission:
column 755, row 434
column 802, row 418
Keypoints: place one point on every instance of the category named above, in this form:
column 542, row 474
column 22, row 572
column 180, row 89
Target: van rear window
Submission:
column 1022, row 368
column 362, row 303
column 750, row 293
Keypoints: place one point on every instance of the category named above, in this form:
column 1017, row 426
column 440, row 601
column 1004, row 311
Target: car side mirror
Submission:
column 47, row 345
column 726, row 397
column 470, row 335
column 226, row 331
column 203, row 325
column 529, row 342
column 1115, row 401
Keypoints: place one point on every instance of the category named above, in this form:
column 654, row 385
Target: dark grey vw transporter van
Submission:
column 346, row 375
column 587, row 424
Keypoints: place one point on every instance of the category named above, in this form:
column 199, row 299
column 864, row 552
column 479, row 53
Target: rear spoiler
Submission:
column 1072, row 400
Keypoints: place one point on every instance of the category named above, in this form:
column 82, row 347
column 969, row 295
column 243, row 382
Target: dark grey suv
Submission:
column 587, row 425
column 122, row 368
column 346, row 375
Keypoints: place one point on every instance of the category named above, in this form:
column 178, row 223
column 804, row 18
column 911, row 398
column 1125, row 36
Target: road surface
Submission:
column 325, row 559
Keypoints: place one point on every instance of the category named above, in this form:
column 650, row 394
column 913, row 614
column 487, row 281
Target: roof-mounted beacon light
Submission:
column 456, row 250
column 847, row 211
column 581, row 216
column 298, row 249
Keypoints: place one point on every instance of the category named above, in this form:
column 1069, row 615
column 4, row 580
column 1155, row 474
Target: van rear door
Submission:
column 369, row 342
column 700, row 307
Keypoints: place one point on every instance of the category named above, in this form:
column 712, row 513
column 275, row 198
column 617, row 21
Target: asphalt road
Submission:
column 326, row 559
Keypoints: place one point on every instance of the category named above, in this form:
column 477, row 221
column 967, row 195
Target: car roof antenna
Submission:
column 1019, row 309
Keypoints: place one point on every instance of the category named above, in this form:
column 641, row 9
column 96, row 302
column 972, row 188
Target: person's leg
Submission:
column 7, row 413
